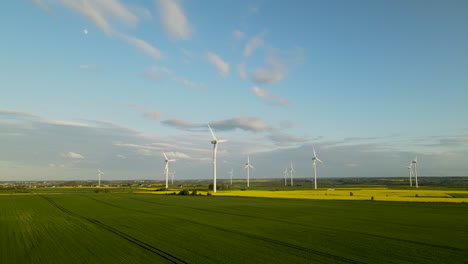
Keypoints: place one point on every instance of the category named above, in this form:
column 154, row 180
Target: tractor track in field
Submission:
column 269, row 240
column 304, row 225
column 131, row 239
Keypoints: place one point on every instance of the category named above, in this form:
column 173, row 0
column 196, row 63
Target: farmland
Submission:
column 81, row 226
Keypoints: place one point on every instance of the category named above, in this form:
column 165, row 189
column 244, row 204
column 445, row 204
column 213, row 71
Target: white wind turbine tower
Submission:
column 415, row 168
column 285, row 176
column 292, row 174
column 172, row 175
column 248, row 166
column 231, row 172
column 166, row 169
column 410, row 169
column 99, row 175
column 215, row 142
column 314, row 164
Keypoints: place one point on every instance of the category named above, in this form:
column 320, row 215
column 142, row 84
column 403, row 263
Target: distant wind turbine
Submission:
column 248, row 166
column 215, row 142
column 166, row 169
column 314, row 164
column 410, row 169
column 99, row 175
column 285, row 176
column 292, row 174
column 172, row 175
column 415, row 168
column 231, row 172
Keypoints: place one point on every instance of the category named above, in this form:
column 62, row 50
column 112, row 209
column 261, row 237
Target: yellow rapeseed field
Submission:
column 379, row 194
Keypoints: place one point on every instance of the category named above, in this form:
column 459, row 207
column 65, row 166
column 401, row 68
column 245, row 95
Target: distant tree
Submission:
column 372, row 198
column 351, row 194
column 184, row 192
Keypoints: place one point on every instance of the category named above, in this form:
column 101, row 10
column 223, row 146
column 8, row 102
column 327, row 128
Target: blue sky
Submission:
column 110, row 84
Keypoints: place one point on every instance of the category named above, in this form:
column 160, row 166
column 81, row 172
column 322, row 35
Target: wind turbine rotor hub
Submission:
column 214, row 142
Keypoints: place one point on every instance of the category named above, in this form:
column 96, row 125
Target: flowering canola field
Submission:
column 378, row 194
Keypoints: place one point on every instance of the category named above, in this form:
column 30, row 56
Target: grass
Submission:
column 66, row 225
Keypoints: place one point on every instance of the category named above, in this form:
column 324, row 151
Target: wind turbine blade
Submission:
column 315, row 155
column 165, row 155
column 172, row 160
column 211, row 130
column 246, row 166
column 222, row 140
column 319, row 160
column 251, row 166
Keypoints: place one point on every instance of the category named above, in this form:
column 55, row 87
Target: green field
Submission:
column 74, row 226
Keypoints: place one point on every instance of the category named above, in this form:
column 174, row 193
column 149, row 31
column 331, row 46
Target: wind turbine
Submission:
column 314, row 164
column 99, row 175
column 248, row 166
column 285, row 176
column 292, row 174
column 415, row 162
column 215, row 142
column 231, row 172
column 410, row 169
column 172, row 175
column 166, row 169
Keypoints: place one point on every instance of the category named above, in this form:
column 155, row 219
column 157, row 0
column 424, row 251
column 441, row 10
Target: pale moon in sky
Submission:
column 85, row 31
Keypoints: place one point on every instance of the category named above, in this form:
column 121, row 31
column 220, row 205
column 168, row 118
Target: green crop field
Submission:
column 72, row 226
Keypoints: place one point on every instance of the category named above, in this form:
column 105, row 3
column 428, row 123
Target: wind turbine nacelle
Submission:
column 213, row 142
column 414, row 161
column 314, row 158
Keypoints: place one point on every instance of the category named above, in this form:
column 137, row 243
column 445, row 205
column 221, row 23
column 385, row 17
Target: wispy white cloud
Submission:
column 101, row 12
column 286, row 124
column 274, row 72
column 222, row 66
column 153, row 73
column 17, row 114
column 72, row 155
column 179, row 123
column 173, row 19
column 120, row 156
column 142, row 45
column 177, row 155
column 242, row 71
column 166, row 70
column 237, row 34
column 283, row 139
column 152, row 115
column 188, row 53
column 253, row 124
column 253, row 44
column 253, row 8
column 88, row 67
column 43, row 6
column 268, row 97
column 186, row 82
